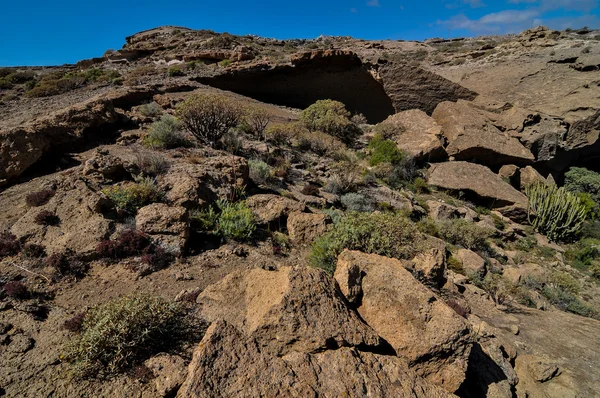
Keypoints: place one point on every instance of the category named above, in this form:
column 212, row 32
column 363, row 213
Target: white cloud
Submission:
column 508, row 21
column 574, row 5
column 373, row 3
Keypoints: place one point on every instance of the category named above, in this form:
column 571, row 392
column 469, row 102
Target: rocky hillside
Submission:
column 202, row 214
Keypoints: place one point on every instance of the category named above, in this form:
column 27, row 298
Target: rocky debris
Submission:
column 169, row 373
column 472, row 262
column 80, row 226
column 306, row 227
column 510, row 174
column 240, row 53
column 286, row 310
column 313, row 57
column 421, row 136
column 472, row 135
column 195, row 184
column 105, row 166
column 19, row 343
column 410, row 87
column 429, row 266
column 541, row 369
column 417, row 324
column 587, row 64
column 478, row 179
column 543, row 135
column 273, row 209
column 251, row 369
column 443, row 211
column 23, row 146
column 166, row 224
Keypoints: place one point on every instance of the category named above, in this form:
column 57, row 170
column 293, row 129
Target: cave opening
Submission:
column 302, row 85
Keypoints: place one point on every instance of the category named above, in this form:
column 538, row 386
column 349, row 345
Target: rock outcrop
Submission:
column 273, row 209
column 417, row 324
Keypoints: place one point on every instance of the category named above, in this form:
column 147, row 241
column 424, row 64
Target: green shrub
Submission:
column 166, row 134
column 464, row 233
column 555, row 212
column 581, row 180
column 151, row 164
column 175, row 71
column 131, row 197
column 284, row 133
column 236, row 221
column 260, row 172
column 225, row 63
column 205, row 220
column 584, row 253
column 209, row 116
column 151, row 109
column 330, row 117
column 592, row 208
column 420, row 185
column 126, row 331
column 356, row 202
column 387, row 234
column 384, row 151
column 318, row 142
column 257, row 119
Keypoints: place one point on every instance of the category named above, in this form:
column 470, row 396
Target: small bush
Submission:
column 155, row 259
column 258, row 119
column 16, row 290
column 420, row 185
column 131, row 197
column 152, row 164
column 129, row 243
column 205, row 220
column 46, row 217
column 39, row 198
column 284, row 134
column 330, row 117
column 209, row 116
column 319, row 143
column 386, row 234
column 140, row 75
column 356, row 202
column 281, row 243
column 9, row 245
column 32, row 250
column 166, row 134
column 236, row 221
column 384, row 151
column 344, row 178
column 581, row 180
column 175, row 71
column 232, row 142
column 75, row 323
column 151, row 109
column 124, row 332
column 260, row 172
column 225, row 63
column 66, row 264
column 464, row 233
column 310, row 190
column 583, row 254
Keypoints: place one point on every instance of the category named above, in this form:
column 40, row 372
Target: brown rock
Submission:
column 541, row 369
column 270, row 208
column 430, row 265
column 530, row 176
column 464, row 176
column 443, row 211
column 419, row 326
column 167, row 224
column 472, row 262
column 471, row 135
column 228, row 362
column 510, row 173
column 169, row 372
column 286, row 310
column 104, row 165
column 306, row 227
column 420, row 137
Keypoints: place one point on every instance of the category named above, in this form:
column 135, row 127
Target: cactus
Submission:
column 555, row 212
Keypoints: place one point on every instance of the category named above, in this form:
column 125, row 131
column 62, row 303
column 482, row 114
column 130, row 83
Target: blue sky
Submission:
column 47, row 32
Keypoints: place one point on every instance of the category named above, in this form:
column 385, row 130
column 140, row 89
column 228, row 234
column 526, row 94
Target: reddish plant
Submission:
column 156, row 257
column 9, row 245
column 311, row 190
column 129, row 243
column 66, row 264
column 74, row 324
column 46, row 217
column 16, row 290
column 39, row 198
column 32, row 250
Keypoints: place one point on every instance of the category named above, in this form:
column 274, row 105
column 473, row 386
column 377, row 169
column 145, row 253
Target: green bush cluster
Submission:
column 232, row 220
column 175, row 71
column 125, row 331
column 209, row 116
column 555, row 212
column 458, row 232
column 356, row 202
column 129, row 198
column 330, row 117
column 387, row 234
column 166, row 134
column 59, row 82
column 384, row 151
column 260, row 172
column 151, row 109
column 585, row 255
column 587, row 184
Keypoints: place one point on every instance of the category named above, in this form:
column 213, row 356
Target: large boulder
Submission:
column 417, row 324
column 166, row 224
column 419, row 135
column 478, row 179
column 270, row 209
column 229, row 363
column 286, row 310
column 80, row 225
column 471, row 135
column 306, row 227
column 195, row 184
